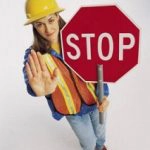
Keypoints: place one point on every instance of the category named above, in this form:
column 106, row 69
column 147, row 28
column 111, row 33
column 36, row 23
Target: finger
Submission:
column 55, row 73
column 54, row 83
column 36, row 61
column 41, row 61
column 104, row 106
column 98, row 103
column 104, row 98
column 28, row 70
column 55, row 76
column 32, row 65
column 105, row 103
column 100, row 109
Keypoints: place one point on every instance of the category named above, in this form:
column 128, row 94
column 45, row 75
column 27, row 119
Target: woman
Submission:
column 46, row 75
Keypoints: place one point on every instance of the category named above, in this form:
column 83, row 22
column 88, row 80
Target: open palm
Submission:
column 40, row 80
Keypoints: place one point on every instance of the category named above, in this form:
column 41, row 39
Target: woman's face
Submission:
column 48, row 28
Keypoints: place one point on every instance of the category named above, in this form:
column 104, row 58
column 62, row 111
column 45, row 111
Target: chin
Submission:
column 51, row 40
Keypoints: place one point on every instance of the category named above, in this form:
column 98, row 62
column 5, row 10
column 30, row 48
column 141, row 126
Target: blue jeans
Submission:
column 90, row 132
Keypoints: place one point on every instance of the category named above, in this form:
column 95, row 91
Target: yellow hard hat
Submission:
column 37, row 9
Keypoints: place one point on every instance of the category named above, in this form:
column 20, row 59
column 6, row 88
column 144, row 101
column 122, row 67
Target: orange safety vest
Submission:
column 71, row 90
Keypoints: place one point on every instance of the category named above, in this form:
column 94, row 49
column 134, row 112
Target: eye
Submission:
column 51, row 20
column 38, row 25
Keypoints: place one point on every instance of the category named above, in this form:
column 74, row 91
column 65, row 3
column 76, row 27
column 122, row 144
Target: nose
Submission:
column 47, row 28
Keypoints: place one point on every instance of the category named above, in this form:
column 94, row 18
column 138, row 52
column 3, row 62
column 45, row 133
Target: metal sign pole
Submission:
column 100, row 91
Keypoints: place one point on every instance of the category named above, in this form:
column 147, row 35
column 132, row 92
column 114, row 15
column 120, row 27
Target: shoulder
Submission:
column 27, row 52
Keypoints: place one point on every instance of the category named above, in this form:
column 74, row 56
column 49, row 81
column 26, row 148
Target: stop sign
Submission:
column 100, row 35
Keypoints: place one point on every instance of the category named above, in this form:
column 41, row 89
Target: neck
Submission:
column 56, row 47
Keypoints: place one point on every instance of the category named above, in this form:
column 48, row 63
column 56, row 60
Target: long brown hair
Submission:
column 39, row 43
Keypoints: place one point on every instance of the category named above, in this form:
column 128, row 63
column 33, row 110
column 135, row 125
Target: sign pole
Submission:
column 100, row 91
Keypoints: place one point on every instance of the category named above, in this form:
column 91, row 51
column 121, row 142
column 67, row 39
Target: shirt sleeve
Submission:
column 28, row 87
column 106, row 89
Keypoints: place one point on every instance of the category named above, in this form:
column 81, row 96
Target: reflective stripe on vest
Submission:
column 86, row 90
column 61, row 84
column 91, row 88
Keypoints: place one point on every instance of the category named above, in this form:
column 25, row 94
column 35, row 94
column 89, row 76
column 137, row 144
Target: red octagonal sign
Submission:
column 100, row 35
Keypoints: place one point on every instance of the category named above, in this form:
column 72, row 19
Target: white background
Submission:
column 26, row 122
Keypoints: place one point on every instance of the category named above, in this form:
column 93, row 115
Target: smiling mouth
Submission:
column 50, row 34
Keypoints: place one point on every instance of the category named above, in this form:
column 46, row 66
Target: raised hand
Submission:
column 40, row 80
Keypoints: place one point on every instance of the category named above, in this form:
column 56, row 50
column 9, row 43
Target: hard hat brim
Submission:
column 43, row 14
